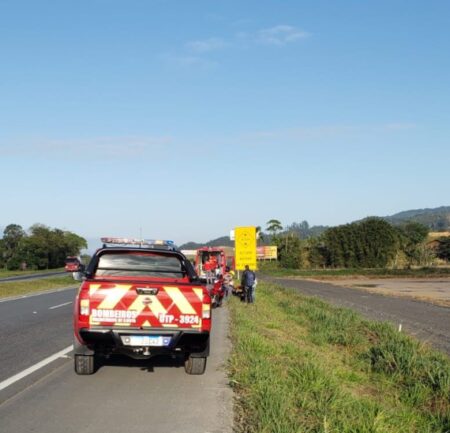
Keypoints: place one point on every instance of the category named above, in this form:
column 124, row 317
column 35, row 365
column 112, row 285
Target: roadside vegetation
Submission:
column 370, row 243
column 17, row 288
column 5, row 273
column 301, row 365
column 38, row 248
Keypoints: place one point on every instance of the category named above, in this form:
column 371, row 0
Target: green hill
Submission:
column 437, row 219
column 223, row 241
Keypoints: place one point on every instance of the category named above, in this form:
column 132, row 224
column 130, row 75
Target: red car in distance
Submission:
column 73, row 264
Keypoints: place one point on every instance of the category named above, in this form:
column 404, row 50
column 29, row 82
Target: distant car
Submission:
column 73, row 264
column 141, row 299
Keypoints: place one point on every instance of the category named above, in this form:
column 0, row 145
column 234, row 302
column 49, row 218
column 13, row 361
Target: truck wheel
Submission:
column 84, row 364
column 195, row 365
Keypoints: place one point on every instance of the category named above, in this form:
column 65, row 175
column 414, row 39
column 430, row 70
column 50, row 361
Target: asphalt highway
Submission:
column 123, row 395
column 33, row 328
column 428, row 322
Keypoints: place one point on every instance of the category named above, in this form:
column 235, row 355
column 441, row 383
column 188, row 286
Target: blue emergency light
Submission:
column 137, row 242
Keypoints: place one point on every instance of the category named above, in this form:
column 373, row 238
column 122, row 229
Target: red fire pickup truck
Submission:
column 142, row 298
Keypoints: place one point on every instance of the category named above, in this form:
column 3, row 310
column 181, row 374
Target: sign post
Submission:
column 245, row 248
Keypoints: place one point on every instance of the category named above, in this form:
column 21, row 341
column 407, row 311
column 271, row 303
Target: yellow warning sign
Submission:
column 245, row 248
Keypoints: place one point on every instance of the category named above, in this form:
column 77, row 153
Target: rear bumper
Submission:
column 110, row 341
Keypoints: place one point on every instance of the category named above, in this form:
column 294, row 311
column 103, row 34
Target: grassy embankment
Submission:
column 17, row 288
column 301, row 365
column 5, row 274
column 324, row 274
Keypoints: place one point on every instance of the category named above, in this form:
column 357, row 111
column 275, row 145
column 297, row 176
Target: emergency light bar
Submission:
column 159, row 242
column 140, row 242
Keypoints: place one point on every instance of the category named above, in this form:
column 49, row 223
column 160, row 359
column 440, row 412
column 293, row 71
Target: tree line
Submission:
column 40, row 247
column 370, row 243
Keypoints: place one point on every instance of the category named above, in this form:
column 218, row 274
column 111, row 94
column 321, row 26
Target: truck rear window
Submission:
column 139, row 265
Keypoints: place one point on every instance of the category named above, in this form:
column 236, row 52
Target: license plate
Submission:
column 146, row 340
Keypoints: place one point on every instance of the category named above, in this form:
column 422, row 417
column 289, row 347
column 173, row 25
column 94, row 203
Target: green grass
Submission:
column 273, row 270
column 301, row 365
column 5, row 273
column 16, row 288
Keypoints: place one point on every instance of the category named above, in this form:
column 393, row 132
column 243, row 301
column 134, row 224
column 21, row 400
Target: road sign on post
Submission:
column 245, row 247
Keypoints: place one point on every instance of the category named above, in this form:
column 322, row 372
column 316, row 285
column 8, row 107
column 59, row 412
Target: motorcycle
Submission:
column 217, row 293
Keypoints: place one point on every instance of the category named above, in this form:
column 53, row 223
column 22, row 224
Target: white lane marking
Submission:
column 47, row 292
column 60, row 305
column 34, row 367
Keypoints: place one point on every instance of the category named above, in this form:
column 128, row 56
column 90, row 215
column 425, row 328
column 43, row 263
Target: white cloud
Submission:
column 280, row 35
column 400, row 126
column 322, row 133
column 97, row 147
column 198, row 53
column 206, row 45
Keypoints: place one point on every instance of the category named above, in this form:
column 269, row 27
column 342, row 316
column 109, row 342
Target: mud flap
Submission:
column 202, row 354
column 81, row 349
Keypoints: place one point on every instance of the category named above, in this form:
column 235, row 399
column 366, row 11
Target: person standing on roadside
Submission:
column 207, row 268
column 248, row 283
column 228, row 282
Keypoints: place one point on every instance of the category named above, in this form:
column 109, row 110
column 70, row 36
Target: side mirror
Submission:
column 78, row 276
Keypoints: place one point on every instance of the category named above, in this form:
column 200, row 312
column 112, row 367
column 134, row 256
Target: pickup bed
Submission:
column 141, row 302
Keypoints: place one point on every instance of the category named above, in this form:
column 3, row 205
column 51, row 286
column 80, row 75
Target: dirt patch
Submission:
column 436, row 291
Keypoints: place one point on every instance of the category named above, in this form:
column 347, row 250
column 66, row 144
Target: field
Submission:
column 426, row 284
column 434, row 290
column 301, row 365
column 17, row 288
column 5, row 274
column 436, row 235
column 333, row 274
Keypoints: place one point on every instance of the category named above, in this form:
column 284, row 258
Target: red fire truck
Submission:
column 141, row 298
column 73, row 264
column 205, row 254
column 212, row 260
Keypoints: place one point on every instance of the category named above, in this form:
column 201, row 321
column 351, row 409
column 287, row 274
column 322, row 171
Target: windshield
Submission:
column 139, row 265
column 70, row 261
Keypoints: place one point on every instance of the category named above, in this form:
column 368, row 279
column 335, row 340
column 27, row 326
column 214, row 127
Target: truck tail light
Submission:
column 206, row 311
column 84, row 307
column 206, row 305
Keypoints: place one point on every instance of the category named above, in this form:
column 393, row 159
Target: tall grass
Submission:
column 5, row 273
column 16, row 288
column 301, row 365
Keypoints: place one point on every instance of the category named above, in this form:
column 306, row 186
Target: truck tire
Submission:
column 84, row 364
column 195, row 365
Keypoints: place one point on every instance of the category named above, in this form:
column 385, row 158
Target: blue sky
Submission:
column 187, row 118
